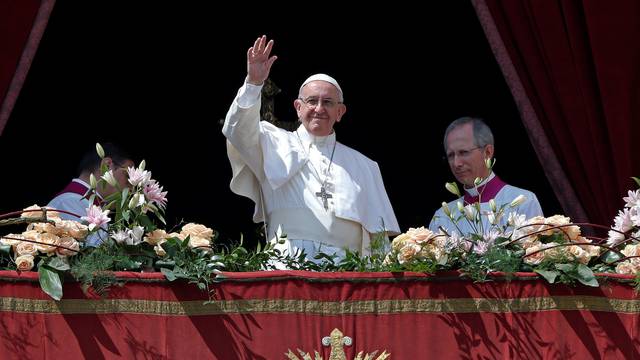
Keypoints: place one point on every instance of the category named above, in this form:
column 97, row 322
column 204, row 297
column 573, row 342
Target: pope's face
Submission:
column 466, row 159
column 319, row 107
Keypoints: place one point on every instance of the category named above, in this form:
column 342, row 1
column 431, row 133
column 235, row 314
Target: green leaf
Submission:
column 610, row 257
column 162, row 264
column 566, row 268
column 548, row 275
column 168, row 274
column 5, row 250
column 146, row 222
column 108, row 206
column 161, row 218
column 586, row 276
column 637, row 180
column 57, row 264
column 125, row 195
column 50, row 282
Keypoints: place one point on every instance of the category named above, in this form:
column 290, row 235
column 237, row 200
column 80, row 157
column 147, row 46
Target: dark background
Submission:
column 158, row 79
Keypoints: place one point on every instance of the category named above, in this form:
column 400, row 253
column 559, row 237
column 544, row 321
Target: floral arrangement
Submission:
column 133, row 236
column 553, row 247
column 625, row 235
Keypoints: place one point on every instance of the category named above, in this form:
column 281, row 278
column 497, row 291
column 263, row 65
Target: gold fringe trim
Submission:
column 363, row 307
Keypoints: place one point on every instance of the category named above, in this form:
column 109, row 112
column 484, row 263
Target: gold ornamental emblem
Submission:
column 337, row 341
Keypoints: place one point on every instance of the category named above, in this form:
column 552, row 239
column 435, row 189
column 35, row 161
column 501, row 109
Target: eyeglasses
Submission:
column 461, row 154
column 313, row 102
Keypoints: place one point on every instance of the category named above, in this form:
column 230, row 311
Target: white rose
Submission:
column 24, row 262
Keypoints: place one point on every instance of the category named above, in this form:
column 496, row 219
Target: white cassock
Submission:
column 504, row 194
column 289, row 169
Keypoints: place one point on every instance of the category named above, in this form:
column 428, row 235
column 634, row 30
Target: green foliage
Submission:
column 94, row 267
column 566, row 273
column 50, row 281
column 495, row 259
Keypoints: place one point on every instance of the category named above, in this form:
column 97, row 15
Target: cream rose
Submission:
column 626, row 268
column 26, row 248
column 420, row 235
column 72, row 228
column 579, row 254
column 36, row 214
column 198, row 230
column 399, row 241
column 70, row 243
column 14, row 241
column 200, row 243
column 155, row 237
column 24, row 262
column 176, row 235
column 408, row 252
column 44, row 228
column 46, row 241
column 536, row 258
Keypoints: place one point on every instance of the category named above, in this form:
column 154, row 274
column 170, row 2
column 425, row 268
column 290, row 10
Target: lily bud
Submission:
column 453, row 188
column 477, row 181
column 109, row 178
column 492, row 218
column 92, row 181
column 100, row 150
column 470, row 212
column 460, row 206
column 518, row 201
column 142, row 165
column 492, row 205
column 136, row 200
column 445, row 209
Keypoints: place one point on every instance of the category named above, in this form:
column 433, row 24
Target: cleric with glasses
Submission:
column 469, row 146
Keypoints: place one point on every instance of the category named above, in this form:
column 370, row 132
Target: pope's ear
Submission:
column 342, row 109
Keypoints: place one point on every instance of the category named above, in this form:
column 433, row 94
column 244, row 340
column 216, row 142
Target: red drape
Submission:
column 573, row 70
column 261, row 315
column 22, row 23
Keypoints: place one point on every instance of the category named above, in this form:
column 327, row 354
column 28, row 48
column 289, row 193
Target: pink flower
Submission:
column 138, row 176
column 96, row 217
column 153, row 192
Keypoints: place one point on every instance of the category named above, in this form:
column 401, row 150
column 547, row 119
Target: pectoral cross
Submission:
column 324, row 195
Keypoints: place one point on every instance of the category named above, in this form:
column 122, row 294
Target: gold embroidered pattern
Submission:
column 337, row 342
column 370, row 307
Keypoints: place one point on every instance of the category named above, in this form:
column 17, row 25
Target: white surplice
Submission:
column 289, row 169
column 530, row 208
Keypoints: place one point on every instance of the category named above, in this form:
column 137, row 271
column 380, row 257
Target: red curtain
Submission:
column 22, row 23
column 573, row 68
column 262, row 315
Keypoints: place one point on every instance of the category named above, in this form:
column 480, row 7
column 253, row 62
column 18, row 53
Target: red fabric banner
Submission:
column 262, row 315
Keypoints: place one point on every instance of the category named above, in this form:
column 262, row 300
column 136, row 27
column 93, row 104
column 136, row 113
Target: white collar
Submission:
column 474, row 190
column 319, row 141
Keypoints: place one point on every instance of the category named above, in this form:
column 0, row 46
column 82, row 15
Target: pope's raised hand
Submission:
column 259, row 60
